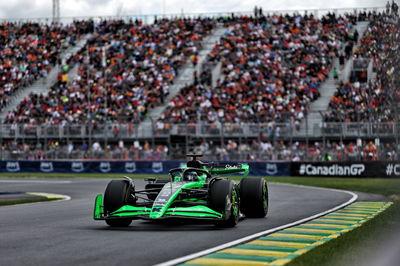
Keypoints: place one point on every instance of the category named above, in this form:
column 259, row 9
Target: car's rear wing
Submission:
column 228, row 168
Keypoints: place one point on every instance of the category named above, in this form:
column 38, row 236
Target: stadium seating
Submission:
column 53, row 150
column 360, row 102
column 126, row 68
column 272, row 69
column 28, row 51
column 373, row 101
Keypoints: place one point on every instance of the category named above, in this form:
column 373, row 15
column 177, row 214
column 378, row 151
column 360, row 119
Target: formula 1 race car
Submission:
column 194, row 192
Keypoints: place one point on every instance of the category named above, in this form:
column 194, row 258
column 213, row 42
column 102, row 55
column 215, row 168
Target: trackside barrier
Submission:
column 318, row 169
column 353, row 169
column 126, row 167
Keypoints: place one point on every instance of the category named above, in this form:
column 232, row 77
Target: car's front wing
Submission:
column 199, row 212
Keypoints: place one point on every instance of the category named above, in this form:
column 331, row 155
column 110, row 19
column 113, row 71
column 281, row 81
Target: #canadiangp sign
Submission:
column 356, row 169
column 332, row 170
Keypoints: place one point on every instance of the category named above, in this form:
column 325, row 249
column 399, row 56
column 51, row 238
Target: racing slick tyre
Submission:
column 223, row 198
column 254, row 197
column 115, row 197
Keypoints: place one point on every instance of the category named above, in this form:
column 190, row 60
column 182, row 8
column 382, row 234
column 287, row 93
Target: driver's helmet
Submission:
column 191, row 176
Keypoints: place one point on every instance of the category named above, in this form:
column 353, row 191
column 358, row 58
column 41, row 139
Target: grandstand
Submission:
column 363, row 100
column 28, row 52
column 155, row 91
column 125, row 69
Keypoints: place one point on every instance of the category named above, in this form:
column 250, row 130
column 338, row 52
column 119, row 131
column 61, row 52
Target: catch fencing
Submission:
column 149, row 130
column 167, row 141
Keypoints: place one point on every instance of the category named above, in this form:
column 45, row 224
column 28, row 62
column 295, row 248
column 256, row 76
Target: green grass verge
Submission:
column 21, row 201
column 355, row 246
column 383, row 186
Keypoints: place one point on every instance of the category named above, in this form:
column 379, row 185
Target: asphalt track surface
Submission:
column 64, row 232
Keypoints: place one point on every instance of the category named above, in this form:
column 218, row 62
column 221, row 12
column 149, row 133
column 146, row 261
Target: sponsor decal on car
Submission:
column 228, row 166
column 166, row 193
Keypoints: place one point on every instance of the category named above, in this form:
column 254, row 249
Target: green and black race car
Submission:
column 195, row 192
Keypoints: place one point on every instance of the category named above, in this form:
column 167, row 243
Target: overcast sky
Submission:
column 75, row 8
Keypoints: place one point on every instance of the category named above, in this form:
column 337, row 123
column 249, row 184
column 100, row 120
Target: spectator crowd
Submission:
column 377, row 99
column 28, row 51
column 125, row 69
column 230, row 150
column 272, row 68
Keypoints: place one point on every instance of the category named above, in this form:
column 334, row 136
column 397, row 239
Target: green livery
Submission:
column 195, row 192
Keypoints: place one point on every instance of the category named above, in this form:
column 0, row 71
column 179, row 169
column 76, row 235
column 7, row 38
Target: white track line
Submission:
column 266, row 232
column 62, row 198
column 56, row 197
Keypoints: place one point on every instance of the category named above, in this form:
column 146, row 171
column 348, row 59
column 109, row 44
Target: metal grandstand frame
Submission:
column 131, row 131
column 149, row 18
column 56, row 11
column 191, row 135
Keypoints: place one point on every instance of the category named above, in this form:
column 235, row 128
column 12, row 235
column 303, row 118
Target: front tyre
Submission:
column 116, row 196
column 254, row 197
column 224, row 199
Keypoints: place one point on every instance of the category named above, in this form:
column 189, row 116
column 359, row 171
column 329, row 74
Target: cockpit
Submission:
column 189, row 174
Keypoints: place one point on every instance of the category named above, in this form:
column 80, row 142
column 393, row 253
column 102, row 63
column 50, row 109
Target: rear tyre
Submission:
column 224, row 199
column 115, row 197
column 254, row 197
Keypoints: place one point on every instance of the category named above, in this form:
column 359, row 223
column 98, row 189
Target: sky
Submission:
column 77, row 8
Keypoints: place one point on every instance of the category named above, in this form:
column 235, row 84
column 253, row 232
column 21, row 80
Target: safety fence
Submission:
column 217, row 141
column 157, row 129
column 378, row 169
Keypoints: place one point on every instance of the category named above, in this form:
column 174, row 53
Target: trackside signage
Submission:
column 332, row 170
column 393, row 169
column 336, row 169
column 317, row 169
